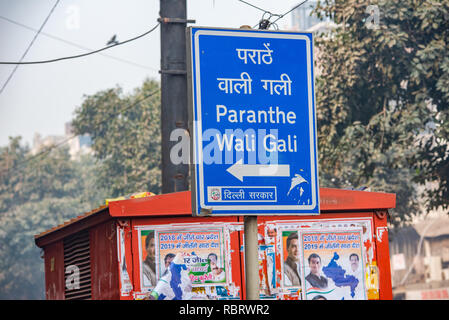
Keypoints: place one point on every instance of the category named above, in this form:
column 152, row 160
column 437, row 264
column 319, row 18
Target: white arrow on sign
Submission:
column 240, row 170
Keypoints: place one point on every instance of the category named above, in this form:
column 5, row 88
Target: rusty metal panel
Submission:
column 54, row 271
column 104, row 261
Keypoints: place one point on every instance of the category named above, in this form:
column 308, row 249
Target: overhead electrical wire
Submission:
column 77, row 45
column 29, row 47
column 83, row 54
column 279, row 16
column 47, row 150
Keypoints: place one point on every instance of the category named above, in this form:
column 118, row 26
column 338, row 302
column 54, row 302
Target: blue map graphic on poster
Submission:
column 334, row 271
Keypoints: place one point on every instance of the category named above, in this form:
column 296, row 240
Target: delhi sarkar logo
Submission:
column 215, row 194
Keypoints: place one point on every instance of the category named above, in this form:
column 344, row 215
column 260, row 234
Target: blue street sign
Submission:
column 253, row 130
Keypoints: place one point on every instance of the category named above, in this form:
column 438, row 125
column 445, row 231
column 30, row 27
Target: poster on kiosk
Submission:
column 333, row 264
column 252, row 122
column 322, row 259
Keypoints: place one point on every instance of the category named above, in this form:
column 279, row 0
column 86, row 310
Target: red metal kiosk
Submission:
column 100, row 255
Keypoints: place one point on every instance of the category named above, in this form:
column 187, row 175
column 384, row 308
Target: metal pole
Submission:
column 252, row 282
column 173, row 90
column 251, row 258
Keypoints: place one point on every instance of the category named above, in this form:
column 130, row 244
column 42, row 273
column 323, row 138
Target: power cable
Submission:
column 57, row 145
column 84, row 54
column 74, row 44
column 29, row 47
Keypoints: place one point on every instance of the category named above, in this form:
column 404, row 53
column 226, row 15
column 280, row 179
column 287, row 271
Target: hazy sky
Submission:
column 41, row 98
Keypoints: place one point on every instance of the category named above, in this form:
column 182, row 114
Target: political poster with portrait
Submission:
column 333, row 266
column 291, row 259
column 148, row 276
column 203, row 253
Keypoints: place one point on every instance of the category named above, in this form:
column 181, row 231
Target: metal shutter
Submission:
column 77, row 253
